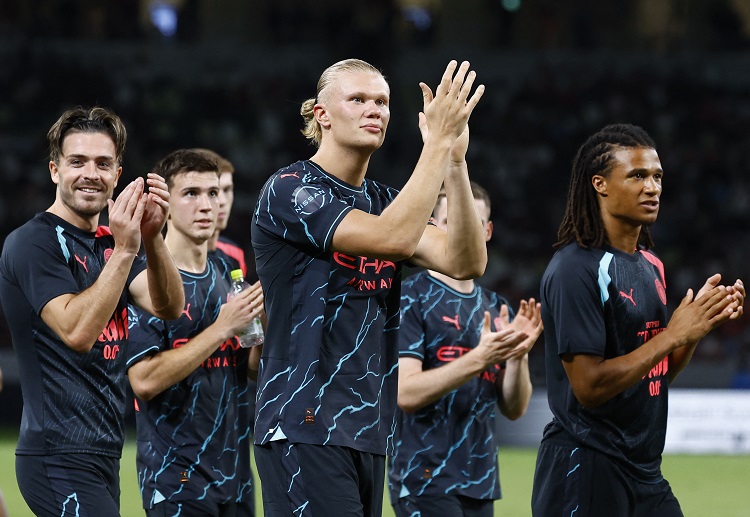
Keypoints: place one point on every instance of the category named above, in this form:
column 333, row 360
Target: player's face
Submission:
column 440, row 218
column 630, row 194
column 194, row 204
column 226, row 199
column 86, row 174
column 356, row 110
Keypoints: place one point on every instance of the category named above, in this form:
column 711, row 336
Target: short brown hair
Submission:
column 87, row 120
column 223, row 164
column 184, row 160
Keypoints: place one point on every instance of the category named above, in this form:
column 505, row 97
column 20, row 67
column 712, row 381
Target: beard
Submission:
column 83, row 207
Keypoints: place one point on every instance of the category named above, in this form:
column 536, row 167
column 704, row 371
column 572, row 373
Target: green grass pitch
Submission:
column 706, row 485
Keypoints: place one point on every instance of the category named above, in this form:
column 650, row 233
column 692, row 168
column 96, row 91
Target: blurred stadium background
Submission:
column 231, row 74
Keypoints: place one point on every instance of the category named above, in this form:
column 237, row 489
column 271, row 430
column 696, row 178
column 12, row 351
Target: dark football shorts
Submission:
column 584, row 483
column 76, row 485
column 305, row 480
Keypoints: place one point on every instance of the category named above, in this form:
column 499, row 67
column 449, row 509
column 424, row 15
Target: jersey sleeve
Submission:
column 35, row 260
column 147, row 335
column 301, row 211
column 411, row 334
column 573, row 293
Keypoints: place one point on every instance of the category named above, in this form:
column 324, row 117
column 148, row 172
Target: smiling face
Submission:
column 194, row 205
column 86, row 175
column 353, row 110
column 629, row 194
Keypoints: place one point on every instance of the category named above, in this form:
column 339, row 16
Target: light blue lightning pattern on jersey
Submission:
column 193, row 438
column 447, row 447
column 328, row 371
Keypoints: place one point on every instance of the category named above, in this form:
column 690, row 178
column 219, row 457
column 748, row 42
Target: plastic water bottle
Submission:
column 253, row 335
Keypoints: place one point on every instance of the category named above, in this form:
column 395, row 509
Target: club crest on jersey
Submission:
column 661, row 291
column 307, row 199
column 107, row 254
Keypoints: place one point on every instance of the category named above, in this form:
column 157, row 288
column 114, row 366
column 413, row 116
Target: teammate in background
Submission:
column 329, row 244
column 611, row 350
column 224, row 250
column 219, row 246
column 64, row 283
column 459, row 357
column 189, row 374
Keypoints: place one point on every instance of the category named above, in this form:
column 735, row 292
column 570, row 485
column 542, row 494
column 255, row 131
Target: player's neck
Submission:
column 462, row 286
column 84, row 222
column 188, row 255
column 348, row 165
column 622, row 236
column 211, row 244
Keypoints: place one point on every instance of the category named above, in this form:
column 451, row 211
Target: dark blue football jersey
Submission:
column 328, row 368
column 193, row 438
column 607, row 303
column 447, row 447
column 73, row 402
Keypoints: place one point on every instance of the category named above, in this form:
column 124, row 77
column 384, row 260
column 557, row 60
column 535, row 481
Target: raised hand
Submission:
column 529, row 320
column 737, row 290
column 446, row 112
column 125, row 215
column 157, row 207
column 496, row 347
column 696, row 317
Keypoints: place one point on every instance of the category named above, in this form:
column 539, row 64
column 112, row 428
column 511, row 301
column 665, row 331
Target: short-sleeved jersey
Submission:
column 73, row 402
column 328, row 368
column 607, row 303
column 193, row 438
column 447, row 447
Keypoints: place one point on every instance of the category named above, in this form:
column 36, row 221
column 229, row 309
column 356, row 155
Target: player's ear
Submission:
column 321, row 115
column 54, row 172
column 600, row 184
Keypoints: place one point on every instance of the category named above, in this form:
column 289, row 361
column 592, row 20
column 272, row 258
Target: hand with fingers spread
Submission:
column 125, row 215
column 446, row 112
column 157, row 207
column 529, row 320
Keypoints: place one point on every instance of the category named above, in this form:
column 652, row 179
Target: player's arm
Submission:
column 78, row 318
column 514, row 385
column 417, row 387
column 157, row 372
column 680, row 357
column 395, row 233
column 461, row 252
column 595, row 380
column 159, row 289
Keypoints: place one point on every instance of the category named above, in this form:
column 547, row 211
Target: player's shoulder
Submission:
column 573, row 261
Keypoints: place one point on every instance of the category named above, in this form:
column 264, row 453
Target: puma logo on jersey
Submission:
column 82, row 262
column 628, row 296
column 453, row 321
column 292, row 174
column 186, row 313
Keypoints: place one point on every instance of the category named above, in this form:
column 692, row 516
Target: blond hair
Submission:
column 312, row 129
